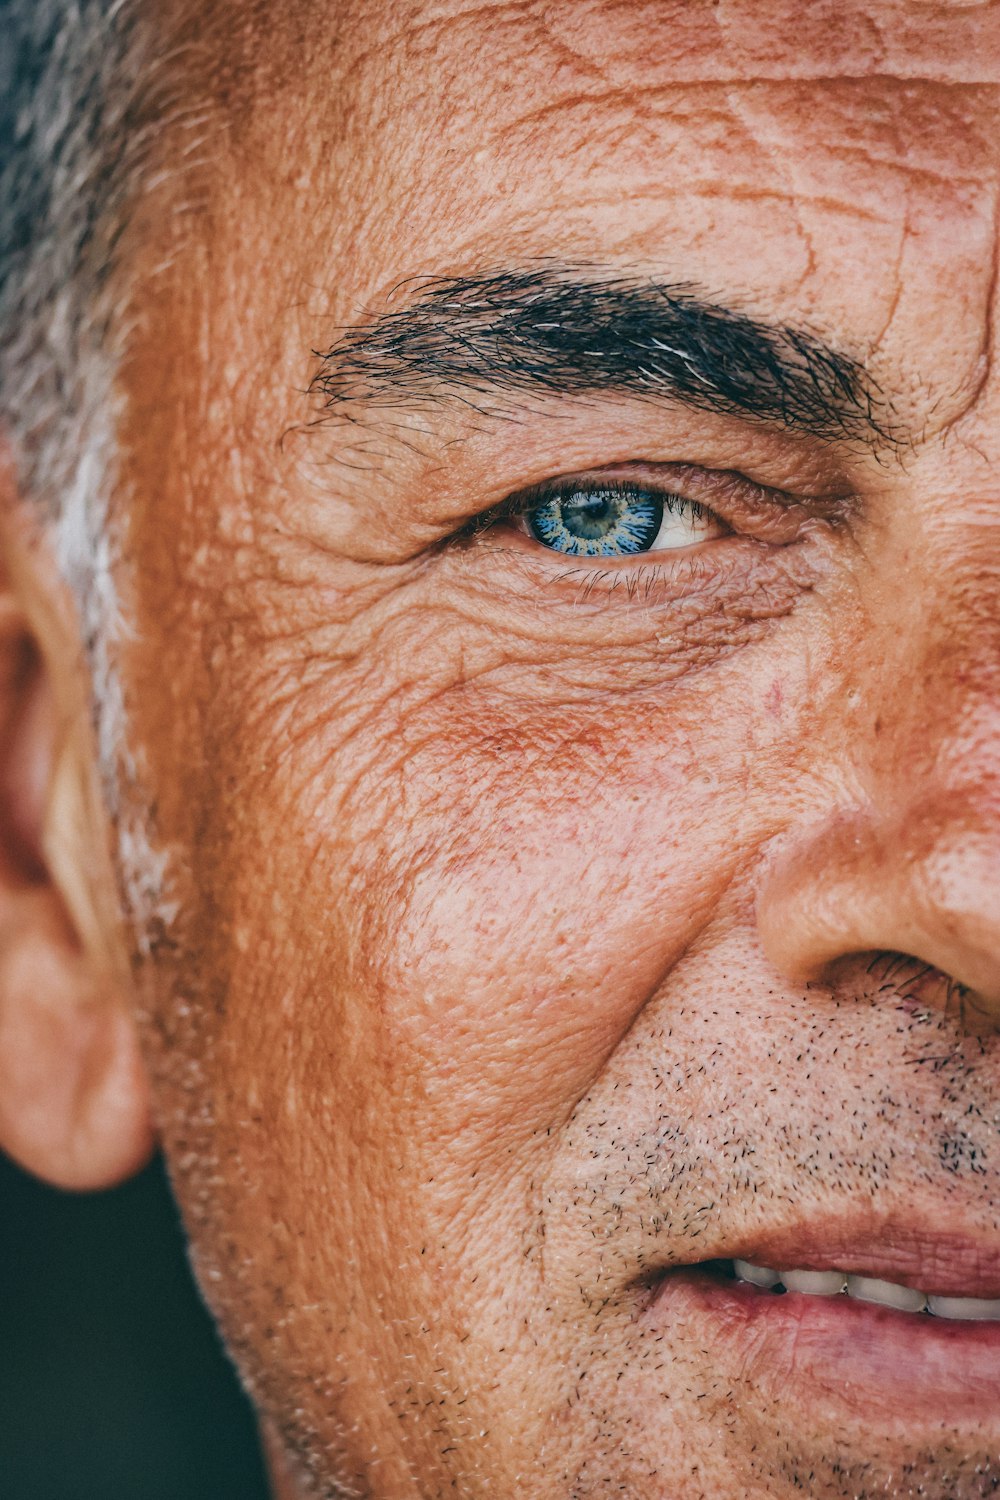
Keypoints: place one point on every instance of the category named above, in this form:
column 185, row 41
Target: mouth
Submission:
column 904, row 1335
column 866, row 1288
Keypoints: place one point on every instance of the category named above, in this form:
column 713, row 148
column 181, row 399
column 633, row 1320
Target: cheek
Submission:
column 433, row 896
column 532, row 887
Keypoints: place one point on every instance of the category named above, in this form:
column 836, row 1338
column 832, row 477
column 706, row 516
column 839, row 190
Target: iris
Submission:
column 600, row 522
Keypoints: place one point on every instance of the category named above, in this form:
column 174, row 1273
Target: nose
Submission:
column 889, row 837
column 922, row 881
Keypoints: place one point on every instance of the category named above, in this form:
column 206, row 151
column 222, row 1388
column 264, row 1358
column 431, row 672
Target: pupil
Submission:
column 591, row 516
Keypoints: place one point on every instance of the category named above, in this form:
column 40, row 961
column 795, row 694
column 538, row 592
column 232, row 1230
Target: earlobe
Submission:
column 73, row 1106
column 73, row 1094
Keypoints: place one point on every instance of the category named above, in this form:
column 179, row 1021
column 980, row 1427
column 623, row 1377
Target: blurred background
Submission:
column 113, row 1382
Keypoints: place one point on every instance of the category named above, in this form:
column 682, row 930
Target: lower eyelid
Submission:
column 698, row 578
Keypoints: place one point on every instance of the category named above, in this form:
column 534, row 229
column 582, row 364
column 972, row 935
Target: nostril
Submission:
column 922, row 985
column 914, row 986
column 857, row 884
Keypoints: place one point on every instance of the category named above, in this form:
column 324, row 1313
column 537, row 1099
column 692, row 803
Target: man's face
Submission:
column 547, row 928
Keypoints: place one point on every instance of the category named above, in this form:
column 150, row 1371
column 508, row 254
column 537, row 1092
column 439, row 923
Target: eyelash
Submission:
column 521, row 505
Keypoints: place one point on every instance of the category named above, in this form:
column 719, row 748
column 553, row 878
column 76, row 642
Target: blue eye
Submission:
column 599, row 522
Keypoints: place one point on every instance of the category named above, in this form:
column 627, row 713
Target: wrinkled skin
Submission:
column 524, row 929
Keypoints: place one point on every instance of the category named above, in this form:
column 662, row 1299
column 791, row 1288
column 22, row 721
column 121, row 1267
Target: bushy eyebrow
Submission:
column 560, row 331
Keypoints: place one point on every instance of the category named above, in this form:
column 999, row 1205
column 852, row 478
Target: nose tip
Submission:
column 852, row 885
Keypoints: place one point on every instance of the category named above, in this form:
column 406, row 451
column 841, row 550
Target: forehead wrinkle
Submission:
column 592, row 143
column 946, row 131
column 826, row 40
column 874, row 98
column 698, row 40
column 538, row 153
column 695, row 42
column 974, row 406
column 919, row 130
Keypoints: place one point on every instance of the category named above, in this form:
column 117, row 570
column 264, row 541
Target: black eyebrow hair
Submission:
column 570, row 331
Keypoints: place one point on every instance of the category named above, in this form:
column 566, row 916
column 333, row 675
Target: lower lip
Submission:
column 854, row 1357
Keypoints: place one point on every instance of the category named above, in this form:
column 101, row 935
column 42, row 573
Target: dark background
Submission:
column 113, row 1383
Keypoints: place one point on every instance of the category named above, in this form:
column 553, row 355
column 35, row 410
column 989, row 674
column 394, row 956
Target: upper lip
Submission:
column 938, row 1259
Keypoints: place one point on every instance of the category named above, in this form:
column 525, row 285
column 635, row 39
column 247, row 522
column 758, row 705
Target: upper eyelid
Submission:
column 672, row 481
column 739, row 502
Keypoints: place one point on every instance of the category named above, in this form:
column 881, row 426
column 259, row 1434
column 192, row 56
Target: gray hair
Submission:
column 67, row 151
column 75, row 113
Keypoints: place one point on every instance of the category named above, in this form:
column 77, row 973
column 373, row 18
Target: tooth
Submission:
column 756, row 1275
column 814, row 1283
column 885, row 1293
column 978, row 1308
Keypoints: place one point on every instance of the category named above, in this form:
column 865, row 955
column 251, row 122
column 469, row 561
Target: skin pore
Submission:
column 533, row 926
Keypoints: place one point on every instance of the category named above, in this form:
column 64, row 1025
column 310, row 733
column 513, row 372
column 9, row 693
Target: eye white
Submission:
column 684, row 525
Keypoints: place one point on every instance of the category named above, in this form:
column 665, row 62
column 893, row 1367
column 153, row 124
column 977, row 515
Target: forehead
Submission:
column 834, row 163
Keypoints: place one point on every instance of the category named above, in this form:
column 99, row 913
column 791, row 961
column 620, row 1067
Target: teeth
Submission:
column 869, row 1289
column 814, row 1283
column 885, row 1293
column 971, row 1308
column 756, row 1275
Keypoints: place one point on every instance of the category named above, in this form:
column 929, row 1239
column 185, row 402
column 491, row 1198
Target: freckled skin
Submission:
column 506, row 900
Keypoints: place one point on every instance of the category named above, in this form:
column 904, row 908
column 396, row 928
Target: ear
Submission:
column 73, row 1094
